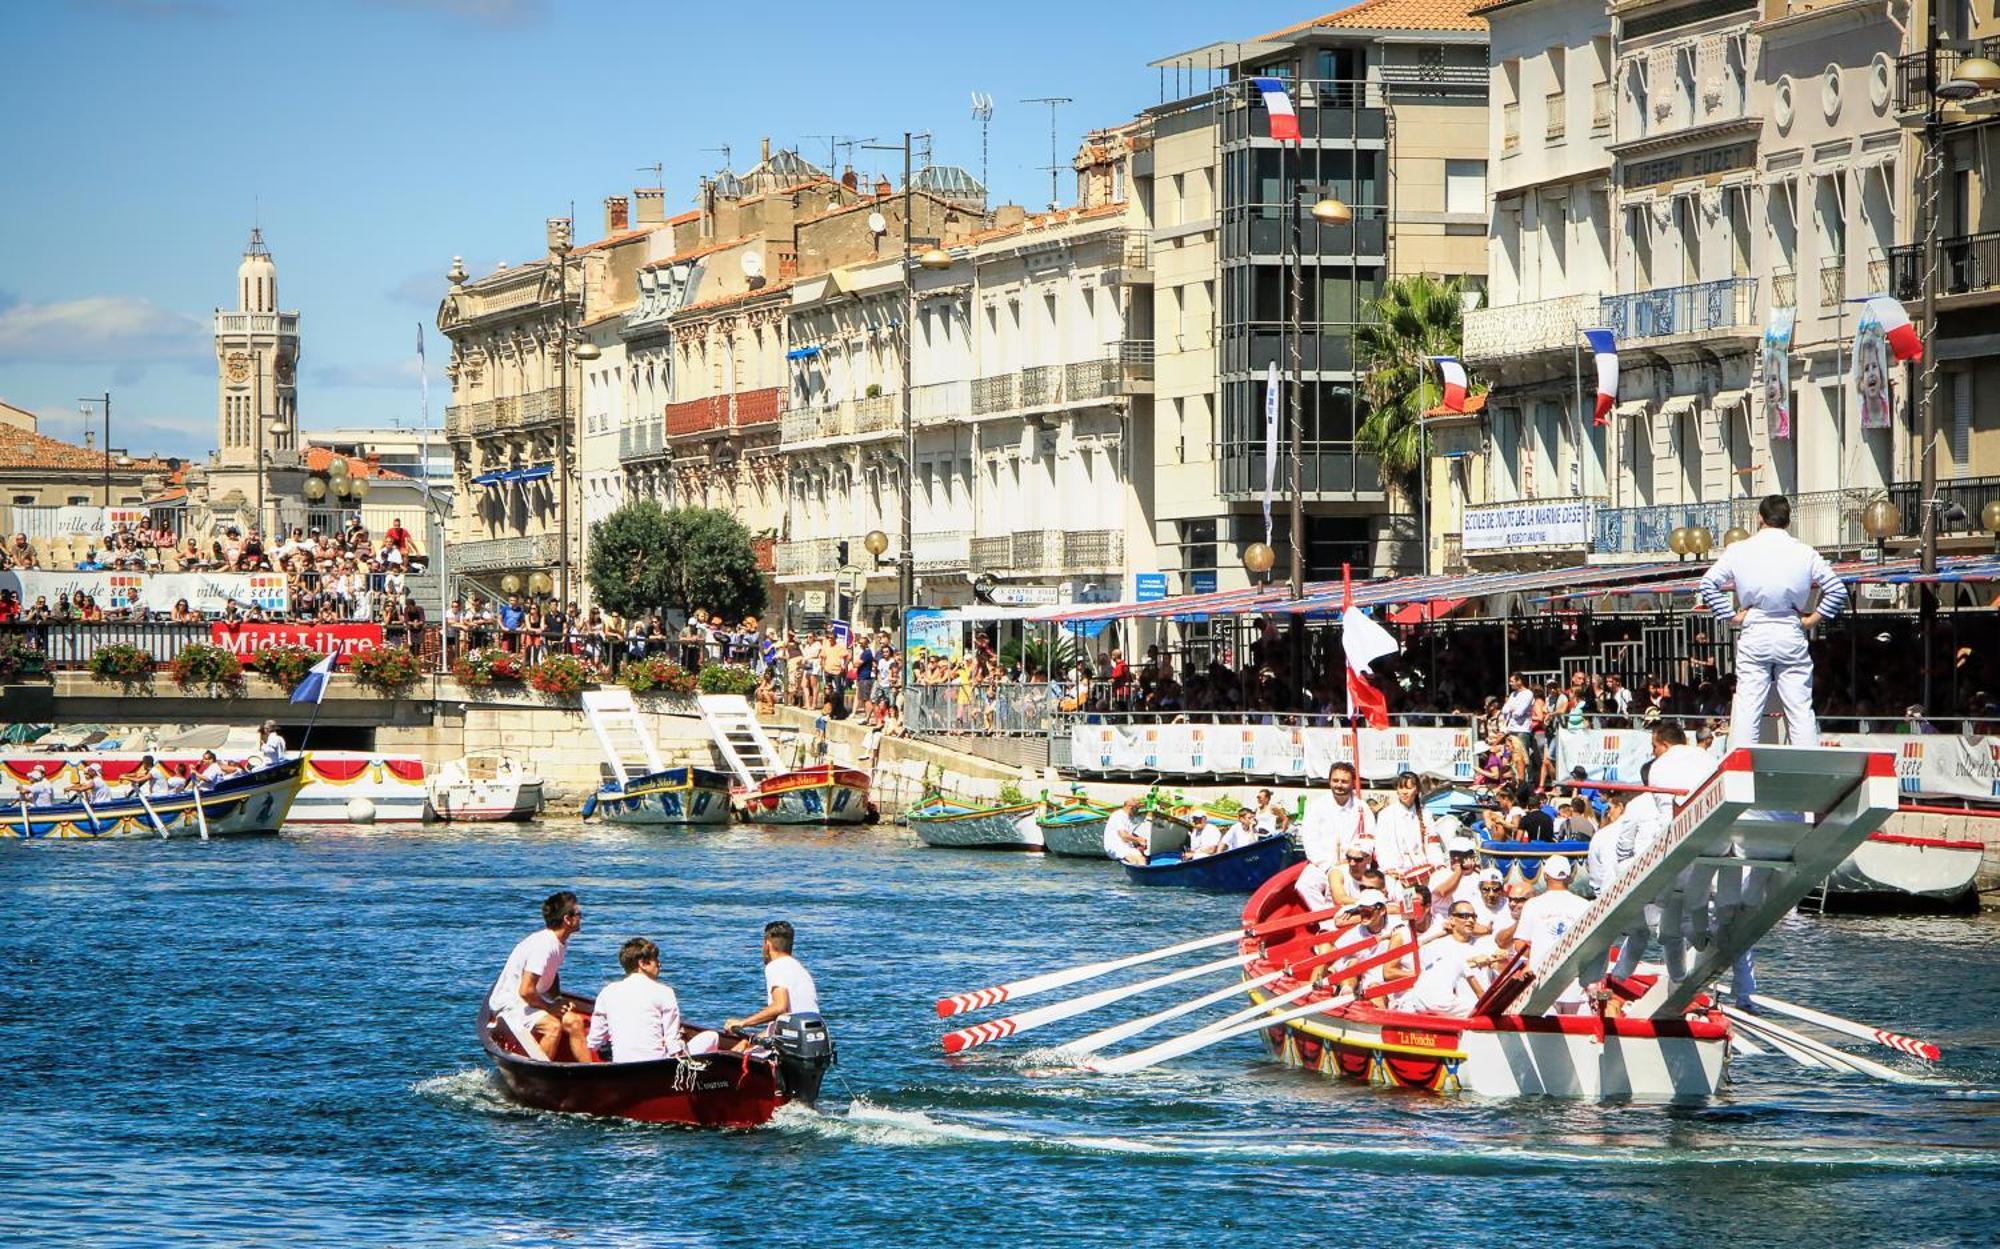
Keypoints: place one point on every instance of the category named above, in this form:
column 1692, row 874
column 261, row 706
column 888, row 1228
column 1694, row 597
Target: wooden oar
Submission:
column 1111, row 1036
column 85, row 800
column 140, row 794
column 979, row 999
column 27, row 827
column 1881, row 1036
column 1785, row 1038
column 200, row 816
column 1028, row 1020
column 1201, row 1038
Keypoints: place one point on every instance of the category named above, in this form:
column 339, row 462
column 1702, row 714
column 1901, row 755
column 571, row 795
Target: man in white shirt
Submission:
column 270, row 745
column 1372, row 909
column 1244, row 832
column 1461, row 864
column 1446, row 981
column 1774, row 576
column 1547, row 917
column 787, row 983
column 91, row 787
column 528, row 994
column 1684, row 768
column 1204, row 836
column 1601, row 862
column 1335, row 819
column 637, row 1019
column 39, row 791
column 1122, row 839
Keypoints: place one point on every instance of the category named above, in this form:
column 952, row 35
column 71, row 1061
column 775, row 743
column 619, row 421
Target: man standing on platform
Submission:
column 1335, row 819
column 1774, row 576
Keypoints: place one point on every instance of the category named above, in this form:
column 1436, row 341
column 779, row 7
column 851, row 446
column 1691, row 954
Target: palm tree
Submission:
column 1414, row 318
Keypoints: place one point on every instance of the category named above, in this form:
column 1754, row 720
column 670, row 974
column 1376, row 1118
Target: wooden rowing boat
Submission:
column 960, row 824
column 824, row 794
column 671, row 797
column 1240, row 870
column 245, row 804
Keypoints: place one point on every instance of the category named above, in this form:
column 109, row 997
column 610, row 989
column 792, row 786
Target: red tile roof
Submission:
column 20, row 448
column 1051, row 220
column 319, row 459
column 1395, row 15
column 1474, row 403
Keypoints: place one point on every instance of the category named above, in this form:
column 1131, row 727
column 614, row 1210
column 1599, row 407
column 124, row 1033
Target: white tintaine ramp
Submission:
column 627, row 744
column 1756, row 868
column 739, row 737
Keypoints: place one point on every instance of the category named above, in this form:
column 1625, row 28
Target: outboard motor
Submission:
column 805, row 1050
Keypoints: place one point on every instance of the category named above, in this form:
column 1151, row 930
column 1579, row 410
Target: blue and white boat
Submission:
column 667, row 797
column 1242, row 870
column 244, row 804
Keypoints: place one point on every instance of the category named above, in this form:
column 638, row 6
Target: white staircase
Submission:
column 627, row 743
column 1827, row 800
column 739, row 737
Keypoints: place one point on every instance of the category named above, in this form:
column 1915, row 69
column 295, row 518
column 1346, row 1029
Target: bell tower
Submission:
column 256, row 355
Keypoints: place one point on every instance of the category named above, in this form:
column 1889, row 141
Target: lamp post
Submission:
column 105, row 401
column 559, row 249
column 1880, row 521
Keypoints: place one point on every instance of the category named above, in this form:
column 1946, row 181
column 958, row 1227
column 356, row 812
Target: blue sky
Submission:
column 376, row 139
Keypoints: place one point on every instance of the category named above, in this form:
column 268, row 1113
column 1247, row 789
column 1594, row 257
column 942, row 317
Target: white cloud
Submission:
column 101, row 329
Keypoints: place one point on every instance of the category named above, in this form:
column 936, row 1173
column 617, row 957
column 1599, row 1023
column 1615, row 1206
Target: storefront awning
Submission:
column 802, row 353
column 489, row 479
column 1904, row 571
column 535, row 473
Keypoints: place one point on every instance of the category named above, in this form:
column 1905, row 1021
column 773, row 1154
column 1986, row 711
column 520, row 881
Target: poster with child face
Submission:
column 1871, row 373
column 1778, row 372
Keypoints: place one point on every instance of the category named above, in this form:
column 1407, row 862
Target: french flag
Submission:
column 1452, row 374
column 1278, row 103
column 1904, row 341
column 1605, row 348
column 1363, row 642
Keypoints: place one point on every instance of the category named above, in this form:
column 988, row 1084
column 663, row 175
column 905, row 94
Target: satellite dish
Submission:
column 753, row 266
column 878, row 223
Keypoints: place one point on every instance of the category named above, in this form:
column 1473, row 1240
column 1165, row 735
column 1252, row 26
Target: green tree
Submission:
column 631, row 565
column 715, row 565
column 643, row 558
column 1414, row 318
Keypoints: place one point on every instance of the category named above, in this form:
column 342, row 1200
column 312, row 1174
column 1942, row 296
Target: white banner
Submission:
column 1556, row 522
column 1274, row 751
column 1935, row 763
column 208, row 593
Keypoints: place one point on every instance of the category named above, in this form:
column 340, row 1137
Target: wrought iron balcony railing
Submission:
column 1697, row 308
column 1967, row 265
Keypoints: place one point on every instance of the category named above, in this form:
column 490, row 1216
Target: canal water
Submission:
column 270, row 1042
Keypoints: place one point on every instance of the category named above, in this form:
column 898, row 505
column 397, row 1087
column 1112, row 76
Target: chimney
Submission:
column 767, row 147
column 617, row 214
column 850, row 179
column 650, row 203
column 89, row 438
column 882, row 188
column 1008, row 216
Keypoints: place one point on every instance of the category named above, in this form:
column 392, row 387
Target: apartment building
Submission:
column 1391, row 97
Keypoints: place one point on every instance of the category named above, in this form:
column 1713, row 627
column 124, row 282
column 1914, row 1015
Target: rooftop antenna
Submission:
column 982, row 112
column 922, row 142
column 724, row 149
column 1055, row 167
column 659, row 172
column 833, row 144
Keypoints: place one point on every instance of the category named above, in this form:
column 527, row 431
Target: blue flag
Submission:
column 312, row 687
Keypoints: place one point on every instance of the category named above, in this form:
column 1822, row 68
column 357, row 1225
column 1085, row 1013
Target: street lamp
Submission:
column 1258, row 558
column 1973, row 75
column 1677, row 541
column 1880, row 520
column 1700, row 541
column 1989, row 518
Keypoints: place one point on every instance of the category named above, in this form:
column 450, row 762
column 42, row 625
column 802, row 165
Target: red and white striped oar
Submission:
column 1925, row 1050
column 1028, row 1020
column 980, row 999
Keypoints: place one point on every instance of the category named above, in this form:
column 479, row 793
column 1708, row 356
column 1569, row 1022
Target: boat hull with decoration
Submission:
column 484, row 789
column 957, row 825
column 1893, row 871
column 826, row 794
column 393, row 784
column 1240, row 870
column 246, row 804
column 1525, row 858
column 1074, row 827
column 1498, row 1055
column 675, row 796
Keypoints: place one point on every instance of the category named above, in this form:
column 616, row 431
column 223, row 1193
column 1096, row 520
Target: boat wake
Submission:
column 476, row 1088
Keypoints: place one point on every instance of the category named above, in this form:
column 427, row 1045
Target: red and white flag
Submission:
column 1364, row 642
column 1904, row 341
column 1278, row 103
column 1452, row 374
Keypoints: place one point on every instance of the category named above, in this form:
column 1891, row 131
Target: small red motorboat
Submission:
column 715, row 1090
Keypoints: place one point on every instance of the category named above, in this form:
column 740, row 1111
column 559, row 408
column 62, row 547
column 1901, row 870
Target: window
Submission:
column 1738, row 199
column 24, row 500
column 1961, row 423
column 1555, row 227
column 1465, row 186
column 1684, row 76
column 1639, row 228
column 1687, row 224
column 1504, row 463
column 77, row 500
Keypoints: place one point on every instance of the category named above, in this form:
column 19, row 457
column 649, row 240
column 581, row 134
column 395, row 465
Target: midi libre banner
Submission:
column 1279, row 752
column 327, row 639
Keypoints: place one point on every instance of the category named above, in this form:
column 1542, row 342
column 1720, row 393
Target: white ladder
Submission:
column 1727, row 825
column 627, row 744
column 739, row 737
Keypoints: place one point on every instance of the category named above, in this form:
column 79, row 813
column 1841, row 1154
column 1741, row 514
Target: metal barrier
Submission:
column 1007, row 709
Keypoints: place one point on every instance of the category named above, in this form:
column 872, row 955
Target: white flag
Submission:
column 1270, row 443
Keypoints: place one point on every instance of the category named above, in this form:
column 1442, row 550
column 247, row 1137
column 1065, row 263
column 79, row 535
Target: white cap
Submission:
column 1462, row 844
column 1492, row 876
column 1556, row 867
column 1367, row 898
column 1365, row 845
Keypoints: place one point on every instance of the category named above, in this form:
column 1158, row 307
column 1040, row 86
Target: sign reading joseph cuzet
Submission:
column 1555, row 522
column 1681, row 165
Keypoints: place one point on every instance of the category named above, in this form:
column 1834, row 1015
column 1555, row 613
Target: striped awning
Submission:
column 1904, row 571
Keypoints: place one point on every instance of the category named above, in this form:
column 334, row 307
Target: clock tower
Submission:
column 257, row 359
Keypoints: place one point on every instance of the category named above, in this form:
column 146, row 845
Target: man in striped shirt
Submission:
column 1774, row 576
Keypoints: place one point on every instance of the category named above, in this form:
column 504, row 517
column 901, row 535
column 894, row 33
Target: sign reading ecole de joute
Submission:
column 1552, row 522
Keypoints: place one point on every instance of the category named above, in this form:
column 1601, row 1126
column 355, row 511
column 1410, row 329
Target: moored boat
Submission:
column 484, row 788
column 963, row 825
column 243, row 804
column 334, row 783
column 1902, row 871
column 714, row 1090
column 825, row 794
column 1240, row 870
column 668, row 797
column 1073, row 826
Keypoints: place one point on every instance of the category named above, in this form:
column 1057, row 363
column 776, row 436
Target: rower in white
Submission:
column 637, row 1019
column 1204, row 836
column 788, row 985
column 528, row 994
column 1447, row 983
column 1372, row 910
column 1684, row 911
column 39, row 791
column 1122, row 839
column 1774, row 576
column 1549, row 915
column 1335, row 819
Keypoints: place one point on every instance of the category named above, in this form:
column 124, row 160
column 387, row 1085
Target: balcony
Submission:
column 1329, row 110
column 764, row 552
column 1784, row 289
column 1829, row 519
column 1833, row 284
column 874, row 414
column 1510, row 128
column 1556, row 107
column 1673, row 311
column 991, row 395
column 802, row 424
column 1093, row 550
column 697, row 416
column 940, row 403
column 1525, row 329
column 1878, row 275
column 1040, row 386
column 1913, row 79
column 503, row 416
column 643, row 441
column 993, row 554
column 813, row 557
column 1960, row 501
column 1967, row 265
column 1452, row 556
column 505, row 554
column 941, row 550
